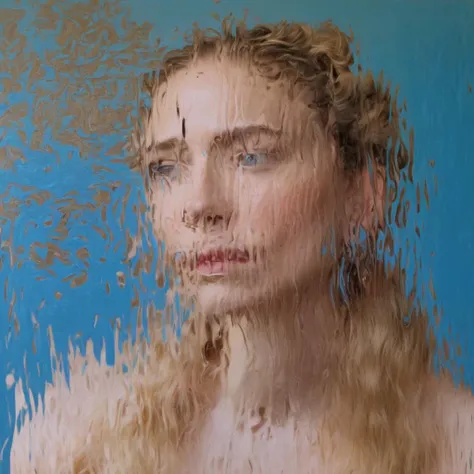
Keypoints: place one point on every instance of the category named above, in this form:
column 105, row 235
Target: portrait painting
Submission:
column 236, row 239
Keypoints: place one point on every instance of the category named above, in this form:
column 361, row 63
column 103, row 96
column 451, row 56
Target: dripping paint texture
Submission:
column 79, row 261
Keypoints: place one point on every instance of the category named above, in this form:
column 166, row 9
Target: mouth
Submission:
column 213, row 262
column 217, row 262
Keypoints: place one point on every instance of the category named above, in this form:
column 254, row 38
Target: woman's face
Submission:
column 243, row 184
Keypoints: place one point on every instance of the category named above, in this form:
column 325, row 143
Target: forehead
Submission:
column 214, row 96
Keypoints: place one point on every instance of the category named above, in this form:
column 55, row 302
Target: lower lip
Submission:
column 217, row 268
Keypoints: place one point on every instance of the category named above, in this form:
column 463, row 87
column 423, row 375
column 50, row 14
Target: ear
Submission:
column 368, row 201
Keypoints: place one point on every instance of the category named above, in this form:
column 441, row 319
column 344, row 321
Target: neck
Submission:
column 280, row 348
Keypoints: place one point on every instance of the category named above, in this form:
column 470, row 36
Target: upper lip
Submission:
column 215, row 254
column 222, row 255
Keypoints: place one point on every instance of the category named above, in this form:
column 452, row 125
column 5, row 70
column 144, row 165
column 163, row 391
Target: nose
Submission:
column 207, row 207
column 198, row 215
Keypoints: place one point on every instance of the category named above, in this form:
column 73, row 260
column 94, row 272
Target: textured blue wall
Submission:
column 423, row 46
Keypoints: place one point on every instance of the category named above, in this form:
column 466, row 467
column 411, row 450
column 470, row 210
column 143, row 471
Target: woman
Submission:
column 264, row 159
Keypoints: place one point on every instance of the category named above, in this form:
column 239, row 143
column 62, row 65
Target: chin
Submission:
column 221, row 298
column 224, row 297
column 217, row 298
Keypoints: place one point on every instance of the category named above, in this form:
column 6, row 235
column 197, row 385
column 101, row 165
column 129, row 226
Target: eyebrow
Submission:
column 165, row 145
column 225, row 138
column 228, row 137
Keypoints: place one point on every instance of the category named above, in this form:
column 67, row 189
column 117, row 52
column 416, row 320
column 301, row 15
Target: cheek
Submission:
column 285, row 210
column 163, row 217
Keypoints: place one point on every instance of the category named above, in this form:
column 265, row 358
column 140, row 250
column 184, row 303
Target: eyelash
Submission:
column 258, row 153
column 157, row 168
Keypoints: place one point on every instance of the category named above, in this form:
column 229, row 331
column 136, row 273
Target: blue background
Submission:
column 423, row 46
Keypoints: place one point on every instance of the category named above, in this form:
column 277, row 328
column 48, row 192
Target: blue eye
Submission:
column 158, row 169
column 248, row 160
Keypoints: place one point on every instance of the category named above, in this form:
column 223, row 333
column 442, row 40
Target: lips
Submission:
column 218, row 261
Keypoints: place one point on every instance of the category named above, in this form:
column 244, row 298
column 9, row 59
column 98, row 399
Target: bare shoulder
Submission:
column 59, row 425
column 108, row 419
column 453, row 413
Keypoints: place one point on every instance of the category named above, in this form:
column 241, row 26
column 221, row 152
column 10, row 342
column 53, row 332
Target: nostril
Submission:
column 217, row 219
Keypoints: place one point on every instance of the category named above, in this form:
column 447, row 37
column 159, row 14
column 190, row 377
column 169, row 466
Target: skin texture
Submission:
column 272, row 374
column 290, row 179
